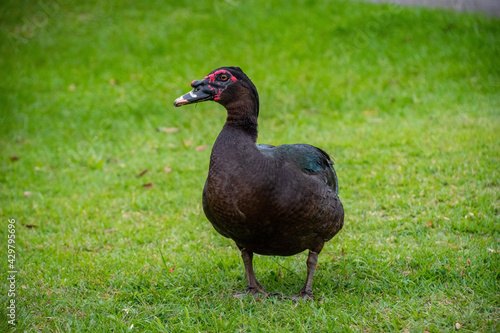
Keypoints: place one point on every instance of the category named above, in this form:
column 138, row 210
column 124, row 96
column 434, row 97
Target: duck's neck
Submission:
column 234, row 151
column 242, row 116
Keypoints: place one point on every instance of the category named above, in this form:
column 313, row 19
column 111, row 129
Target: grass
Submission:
column 406, row 100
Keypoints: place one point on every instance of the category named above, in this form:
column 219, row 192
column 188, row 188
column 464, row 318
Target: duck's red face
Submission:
column 208, row 89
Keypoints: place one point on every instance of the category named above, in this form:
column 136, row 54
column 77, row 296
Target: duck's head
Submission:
column 223, row 85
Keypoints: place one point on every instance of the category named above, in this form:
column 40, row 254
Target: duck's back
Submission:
column 306, row 158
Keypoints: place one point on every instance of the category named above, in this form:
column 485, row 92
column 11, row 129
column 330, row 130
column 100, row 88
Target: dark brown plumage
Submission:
column 270, row 200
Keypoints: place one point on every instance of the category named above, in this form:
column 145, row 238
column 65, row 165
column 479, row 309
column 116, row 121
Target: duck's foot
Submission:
column 253, row 286
column 306, row 292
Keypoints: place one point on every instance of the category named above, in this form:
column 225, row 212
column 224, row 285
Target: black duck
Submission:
column 270, row 200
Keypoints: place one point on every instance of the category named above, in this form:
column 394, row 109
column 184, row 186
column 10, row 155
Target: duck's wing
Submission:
column 309, row 159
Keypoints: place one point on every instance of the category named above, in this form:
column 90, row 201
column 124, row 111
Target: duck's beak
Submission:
column 194, row 96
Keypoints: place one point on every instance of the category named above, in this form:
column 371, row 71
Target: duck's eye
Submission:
column 224, row 77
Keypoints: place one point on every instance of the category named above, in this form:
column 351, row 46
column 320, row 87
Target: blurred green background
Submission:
column 406, row 100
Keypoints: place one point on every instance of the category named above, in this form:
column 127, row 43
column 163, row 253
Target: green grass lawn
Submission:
column 407, row 101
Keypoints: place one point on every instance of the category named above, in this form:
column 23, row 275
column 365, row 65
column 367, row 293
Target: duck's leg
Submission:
column 253, row 286
column 312, row 260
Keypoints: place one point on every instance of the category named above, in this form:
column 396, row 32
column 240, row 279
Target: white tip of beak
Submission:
column 180, row 101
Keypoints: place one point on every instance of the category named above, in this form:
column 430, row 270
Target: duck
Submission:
column 270, row 200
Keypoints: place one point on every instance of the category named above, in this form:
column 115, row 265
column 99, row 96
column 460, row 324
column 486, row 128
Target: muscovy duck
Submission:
column 271, row 200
